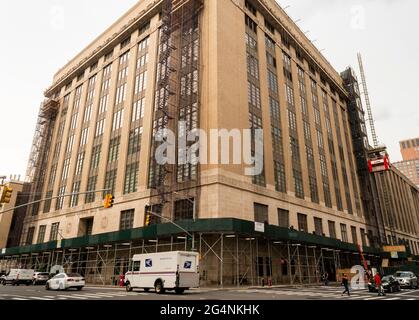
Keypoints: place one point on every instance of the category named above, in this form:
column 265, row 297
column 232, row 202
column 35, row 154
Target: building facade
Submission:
column 410, row 149
column 232, row 65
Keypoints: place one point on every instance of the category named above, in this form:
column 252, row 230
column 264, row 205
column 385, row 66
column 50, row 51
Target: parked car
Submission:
column 40, row 278
column 407, row 279
column 390, row 284
column 65, row 281
column 18, row 276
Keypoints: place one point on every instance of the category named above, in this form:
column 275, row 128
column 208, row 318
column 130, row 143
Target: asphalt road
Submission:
column 22, row 293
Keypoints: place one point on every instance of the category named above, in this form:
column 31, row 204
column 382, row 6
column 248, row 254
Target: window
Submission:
column 114, row 150
column 29, row 237
column 127, row 220
column 84, row 136
column 134, row 142
column 47, row 204
column 364, row 238
column 302, row 223
column 270, row 43
column 70, row 143
column 54, row 231
column 140, row 82
column 344, row 232
column 93, row 67
column 332, row 229
column 100, row 127
column 138, row 110
column 60, row 200
column 66, row 168
column 318, row 226
column 126, row 42
column 88, row 113
column 121, row 94
column 251, row 24
column 41, row 234
column 110, row 181
column 354, row 235
column 253, row 95
column 283, row 218
column 261, row 213
column 131, row 178
column 117, row 120
column 250, row 7
column 272, row 81
column 79, row 165
column 184, row 209
column 91, row 186
column 94, row 163
column 144, row 28
column 75, row 197
column 124, row 58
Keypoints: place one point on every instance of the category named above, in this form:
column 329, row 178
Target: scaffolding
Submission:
column 36, row 171
column 176, row 99
column 226, row 259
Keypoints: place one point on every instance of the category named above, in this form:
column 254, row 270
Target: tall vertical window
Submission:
column 131, row 178
column 254, row 98
column 74, row 200
column 54, row 231
column 29, row 236
column 41, row 234
column 283, row 218
column 354, row 235
column 79, row 164
column 332, row 229
column 318, row 226
column 91, row 186
column 60, row 200
column 344, row 232
column 110, row 181
column 302, row 222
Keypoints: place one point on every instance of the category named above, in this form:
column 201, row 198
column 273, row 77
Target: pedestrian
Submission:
column 326, row 279
column 379, row 285
column 345, row 283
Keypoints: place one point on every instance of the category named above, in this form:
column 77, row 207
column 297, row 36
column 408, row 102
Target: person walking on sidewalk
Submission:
column 345, row 283
column 379, row 285
column 326, row 279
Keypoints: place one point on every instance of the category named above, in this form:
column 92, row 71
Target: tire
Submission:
column 179, row 290
column 79, row 288
column 128, row 287
column 159, row 287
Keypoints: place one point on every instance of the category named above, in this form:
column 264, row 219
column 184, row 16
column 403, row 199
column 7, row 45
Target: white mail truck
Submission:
column 177, row 270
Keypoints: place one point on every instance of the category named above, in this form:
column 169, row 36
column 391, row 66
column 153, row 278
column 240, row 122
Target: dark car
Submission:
column 390, row 284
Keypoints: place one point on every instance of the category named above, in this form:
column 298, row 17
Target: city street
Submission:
column 23, row 293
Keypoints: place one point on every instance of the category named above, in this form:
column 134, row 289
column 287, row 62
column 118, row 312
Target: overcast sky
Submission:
column 39, row 37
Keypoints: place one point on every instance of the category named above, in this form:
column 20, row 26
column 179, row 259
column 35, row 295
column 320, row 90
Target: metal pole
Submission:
column 237, row 261
column 222, row 260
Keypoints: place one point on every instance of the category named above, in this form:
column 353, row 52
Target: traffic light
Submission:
column 6, row 195
column 109, row 201
column 147, row 220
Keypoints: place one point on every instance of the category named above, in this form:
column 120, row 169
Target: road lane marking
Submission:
column 72, row 296
column 40, row 298
column 392, row 299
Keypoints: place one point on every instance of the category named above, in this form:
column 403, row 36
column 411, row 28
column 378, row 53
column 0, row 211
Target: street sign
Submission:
column 259, row 227
column 394, row 248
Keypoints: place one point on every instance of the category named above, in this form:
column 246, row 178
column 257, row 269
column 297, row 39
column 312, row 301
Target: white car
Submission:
column 40, row 278
column 65, row 281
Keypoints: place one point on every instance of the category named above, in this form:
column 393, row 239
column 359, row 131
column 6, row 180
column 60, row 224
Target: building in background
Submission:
column 410, row 164
column 11, row 222
column 410, row 149
column 212, row 65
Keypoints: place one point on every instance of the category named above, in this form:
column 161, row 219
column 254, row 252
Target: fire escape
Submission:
column 38, row 159
column 176, row 99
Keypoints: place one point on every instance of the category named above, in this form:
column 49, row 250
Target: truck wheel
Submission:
column 179, row 291
column 159, row 287
column 128, row 287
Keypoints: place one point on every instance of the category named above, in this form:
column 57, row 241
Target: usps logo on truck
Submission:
column 187, row 265
column 148, row 263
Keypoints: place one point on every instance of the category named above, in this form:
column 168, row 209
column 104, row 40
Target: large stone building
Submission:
column 228, row 64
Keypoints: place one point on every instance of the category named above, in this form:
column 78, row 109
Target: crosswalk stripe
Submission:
column 93, row 296
column 39, row 298
column 73, row 296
